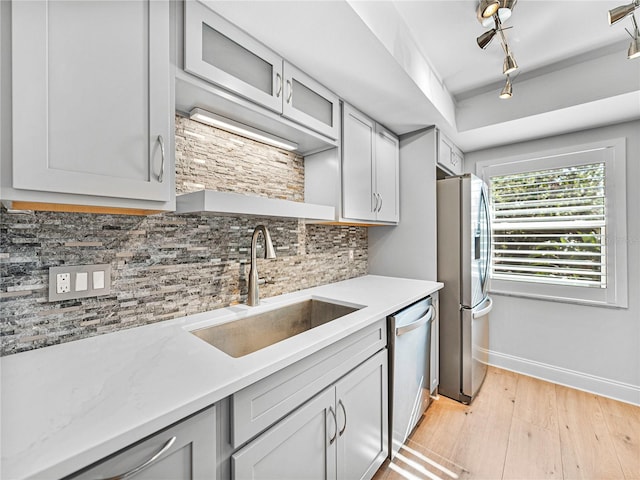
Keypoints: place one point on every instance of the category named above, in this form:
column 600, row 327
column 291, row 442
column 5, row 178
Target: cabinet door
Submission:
column 300, row 447
column 387, row 155
column 91, row 98
column 185, row 451
column 362, row 419
column 220, row 52
column 309, row 103
column 358, row 201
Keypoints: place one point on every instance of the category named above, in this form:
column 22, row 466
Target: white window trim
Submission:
column 615, row 295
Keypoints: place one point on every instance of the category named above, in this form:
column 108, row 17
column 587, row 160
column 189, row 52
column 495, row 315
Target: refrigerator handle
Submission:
column 417, row 324
column 482, row 312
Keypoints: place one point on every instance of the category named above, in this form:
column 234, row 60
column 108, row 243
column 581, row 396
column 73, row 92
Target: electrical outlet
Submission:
column 351, row 255
column 79, row 281
column 63, row 282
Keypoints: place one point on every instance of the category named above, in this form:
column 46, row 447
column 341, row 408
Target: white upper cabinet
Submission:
column 91, row 96
column 309, row 103
column 219, row 52
column 223, row 54
column 370, row 163
column 450, row 158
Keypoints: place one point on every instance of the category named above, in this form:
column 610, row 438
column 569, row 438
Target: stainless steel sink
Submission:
column 250, row 334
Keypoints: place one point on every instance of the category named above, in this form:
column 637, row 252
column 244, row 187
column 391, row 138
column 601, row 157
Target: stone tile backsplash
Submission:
column 167, row 266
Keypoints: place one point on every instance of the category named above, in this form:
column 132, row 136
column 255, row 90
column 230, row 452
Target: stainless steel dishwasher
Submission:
column 409, row 369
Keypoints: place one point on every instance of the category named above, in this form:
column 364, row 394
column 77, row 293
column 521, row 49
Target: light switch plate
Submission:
column 79, row 281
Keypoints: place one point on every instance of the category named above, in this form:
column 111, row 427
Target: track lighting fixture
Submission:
column 501, row 13
column 485, row 39
column 506, row 90
column 623, row 11
column 618, row 13
column 487, row 8
column 510, row 64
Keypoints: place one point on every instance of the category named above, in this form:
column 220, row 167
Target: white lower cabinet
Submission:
column 339, row 434
column 185, row 451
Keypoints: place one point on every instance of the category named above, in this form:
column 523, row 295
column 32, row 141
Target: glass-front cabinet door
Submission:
column 309, row 103
column 221, row 53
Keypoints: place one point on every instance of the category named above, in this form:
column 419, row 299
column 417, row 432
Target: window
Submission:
column 559, row 225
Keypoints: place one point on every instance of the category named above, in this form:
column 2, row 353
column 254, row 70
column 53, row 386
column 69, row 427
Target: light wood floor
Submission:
column 519, row 427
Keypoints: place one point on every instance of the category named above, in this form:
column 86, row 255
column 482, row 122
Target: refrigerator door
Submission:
column 475, row 347
column 475, row 241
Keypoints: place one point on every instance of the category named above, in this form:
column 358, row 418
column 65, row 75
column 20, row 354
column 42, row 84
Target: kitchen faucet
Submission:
column 253, row 297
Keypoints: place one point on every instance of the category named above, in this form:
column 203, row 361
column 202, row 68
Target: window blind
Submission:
column 549, row 226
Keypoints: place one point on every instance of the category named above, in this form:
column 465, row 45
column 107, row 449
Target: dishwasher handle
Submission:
column 417, row 324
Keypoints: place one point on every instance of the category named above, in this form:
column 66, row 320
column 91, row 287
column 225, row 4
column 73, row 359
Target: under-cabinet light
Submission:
column 229, row 125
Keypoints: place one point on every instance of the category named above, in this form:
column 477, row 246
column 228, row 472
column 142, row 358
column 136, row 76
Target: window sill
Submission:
column 550, row 298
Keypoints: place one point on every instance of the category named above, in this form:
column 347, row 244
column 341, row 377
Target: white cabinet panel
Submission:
column 387, row 175
column 339, row 434
column 91, row 98
column 185, row 451
column 221, row 53
column 370, row 163
column 450, row 158
column 357, row 166
column 297, row 448
column 309, row 103
column 362, row 419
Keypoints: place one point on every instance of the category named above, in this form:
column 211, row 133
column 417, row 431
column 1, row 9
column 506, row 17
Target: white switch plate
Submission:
column 63, row 282
column 81, row 281
column 98, row 280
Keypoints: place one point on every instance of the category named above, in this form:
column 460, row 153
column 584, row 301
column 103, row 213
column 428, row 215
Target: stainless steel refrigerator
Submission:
column 464, row 253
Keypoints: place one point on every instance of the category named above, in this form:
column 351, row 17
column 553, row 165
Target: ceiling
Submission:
column 410, row 64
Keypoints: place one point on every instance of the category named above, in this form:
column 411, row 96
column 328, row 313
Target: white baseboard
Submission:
column 569, row 378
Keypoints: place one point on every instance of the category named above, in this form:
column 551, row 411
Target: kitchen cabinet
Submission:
column 92, row 112
column 450, row 158
column 219, row 52
column 184, row 451
column 339, row 434
column 370, row 165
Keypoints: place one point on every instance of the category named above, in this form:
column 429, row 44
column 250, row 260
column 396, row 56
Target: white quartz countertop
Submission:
column 67, row 406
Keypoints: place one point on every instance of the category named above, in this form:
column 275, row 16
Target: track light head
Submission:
column 509, row 65
column 618, row 13
column 506, row 92
column 487, row 8
column 634, row 49
column 485, row 39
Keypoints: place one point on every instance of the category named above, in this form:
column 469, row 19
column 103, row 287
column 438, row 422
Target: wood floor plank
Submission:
column 482, row 445
column 536, row 403
column 586, row 447
column 445, row 418
column 511, row 431
column 623, row 422
column 533, row 452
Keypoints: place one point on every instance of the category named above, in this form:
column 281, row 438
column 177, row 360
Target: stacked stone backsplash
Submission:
column 167, row 266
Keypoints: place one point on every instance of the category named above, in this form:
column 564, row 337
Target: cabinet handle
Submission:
column 344, row 427
column 144, row 465
column 375, row 207
column 279, row 85
column 335, row 422
column 161, row 174
column 380, row 197
column 290, row 88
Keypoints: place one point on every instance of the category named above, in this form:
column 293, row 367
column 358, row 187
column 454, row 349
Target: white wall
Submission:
column 591, row 348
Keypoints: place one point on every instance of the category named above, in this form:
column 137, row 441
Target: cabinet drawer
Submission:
column 257, row 406
column 184, row 451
